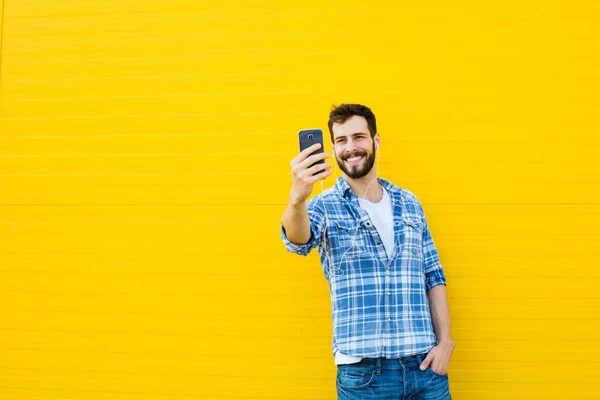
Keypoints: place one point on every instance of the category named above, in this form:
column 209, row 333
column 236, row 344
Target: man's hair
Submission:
column 339, row 115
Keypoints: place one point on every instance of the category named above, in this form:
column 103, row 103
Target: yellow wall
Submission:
column 144, row 156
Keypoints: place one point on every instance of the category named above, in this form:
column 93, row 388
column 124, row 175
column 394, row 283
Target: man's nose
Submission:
column 351, row 148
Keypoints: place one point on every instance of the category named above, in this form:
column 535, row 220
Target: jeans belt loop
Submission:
column 378, row 367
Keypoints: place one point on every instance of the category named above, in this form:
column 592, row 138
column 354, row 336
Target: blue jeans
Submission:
column 397, row 379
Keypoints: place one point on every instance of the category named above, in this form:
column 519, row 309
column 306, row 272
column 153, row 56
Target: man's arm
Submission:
column 295, row 220
column 439, row 356
column 435, row 282
column 440, row 315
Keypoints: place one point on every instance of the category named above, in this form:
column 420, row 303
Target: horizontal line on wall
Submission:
column 288, row 273
column 221, row 368
column 91, row 4
column 303, row 53
column 160, row 115
column 148, row 155
column 173, row 395
column 183, row 95
column 182, row 76
column 151, row 333
column 186, row 10
column 157, row 174
column 336, row 13
column 178, row 38
column 179, row 291
column 156, row 204
column 169, row 313
column 167, row 352
column 187, row 134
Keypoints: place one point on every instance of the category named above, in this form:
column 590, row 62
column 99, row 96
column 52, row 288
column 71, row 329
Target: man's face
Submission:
column 354, row 147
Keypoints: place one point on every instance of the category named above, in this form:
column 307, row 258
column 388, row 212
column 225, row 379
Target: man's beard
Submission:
column 356, row 171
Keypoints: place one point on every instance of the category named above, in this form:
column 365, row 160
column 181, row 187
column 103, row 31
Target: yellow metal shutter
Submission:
column 144, row 167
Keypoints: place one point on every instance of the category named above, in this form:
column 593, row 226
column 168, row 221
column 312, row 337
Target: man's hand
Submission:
column 439, row 358
column 302, row 176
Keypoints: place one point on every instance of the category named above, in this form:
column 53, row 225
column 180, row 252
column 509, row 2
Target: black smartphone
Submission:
column 308, row 137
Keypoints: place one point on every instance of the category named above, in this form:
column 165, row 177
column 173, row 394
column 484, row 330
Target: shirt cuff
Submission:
column 434, row 278
column 302, row 249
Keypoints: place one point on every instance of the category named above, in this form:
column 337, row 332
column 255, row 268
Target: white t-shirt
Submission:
column 382, row 216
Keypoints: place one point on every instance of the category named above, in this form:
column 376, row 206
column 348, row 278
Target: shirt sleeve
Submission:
column 317, row 222
column 434, row 272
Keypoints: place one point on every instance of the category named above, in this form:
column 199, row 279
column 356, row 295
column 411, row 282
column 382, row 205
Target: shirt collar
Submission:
column 344, row 190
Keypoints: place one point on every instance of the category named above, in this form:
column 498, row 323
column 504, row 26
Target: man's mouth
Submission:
column 354, row 160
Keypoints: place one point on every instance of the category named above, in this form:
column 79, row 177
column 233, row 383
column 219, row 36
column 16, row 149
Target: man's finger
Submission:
column 321, row 175
column 305, row 171
column 426, row 362
column 317, row 168
column 306, row 152
column 313, row 159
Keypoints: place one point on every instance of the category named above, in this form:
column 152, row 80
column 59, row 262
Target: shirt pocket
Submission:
column 412, row 234
column 347, row 245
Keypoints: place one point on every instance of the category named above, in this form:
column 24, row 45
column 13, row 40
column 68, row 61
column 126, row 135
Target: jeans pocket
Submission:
column 354, row 377
column 437, row 373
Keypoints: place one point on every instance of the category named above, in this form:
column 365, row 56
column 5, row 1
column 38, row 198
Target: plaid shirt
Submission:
column 379, row 305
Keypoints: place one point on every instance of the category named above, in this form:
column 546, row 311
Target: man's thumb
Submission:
column 426, row 362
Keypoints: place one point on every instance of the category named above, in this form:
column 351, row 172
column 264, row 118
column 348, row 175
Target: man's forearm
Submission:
column 296, row 222
column 440, row 314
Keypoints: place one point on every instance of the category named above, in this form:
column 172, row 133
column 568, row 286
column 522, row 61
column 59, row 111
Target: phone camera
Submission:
column 310, row 136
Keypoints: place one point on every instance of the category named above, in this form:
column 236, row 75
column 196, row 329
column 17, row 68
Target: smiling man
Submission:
column 391, row 321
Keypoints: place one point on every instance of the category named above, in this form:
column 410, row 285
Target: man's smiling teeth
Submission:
column 354, row 159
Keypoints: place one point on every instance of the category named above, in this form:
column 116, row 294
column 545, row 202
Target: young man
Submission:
column 391, row 322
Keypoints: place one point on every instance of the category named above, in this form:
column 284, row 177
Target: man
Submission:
column 391, row 321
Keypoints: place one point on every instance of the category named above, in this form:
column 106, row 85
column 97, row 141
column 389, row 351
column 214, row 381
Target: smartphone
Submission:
column 308, row 137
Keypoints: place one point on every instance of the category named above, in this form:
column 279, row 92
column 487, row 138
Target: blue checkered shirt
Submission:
column 379, row 304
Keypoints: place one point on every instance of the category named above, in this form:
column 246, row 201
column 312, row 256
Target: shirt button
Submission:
column 389, row 320
column 368, row 224
column 378, row 243
column 388, row 293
